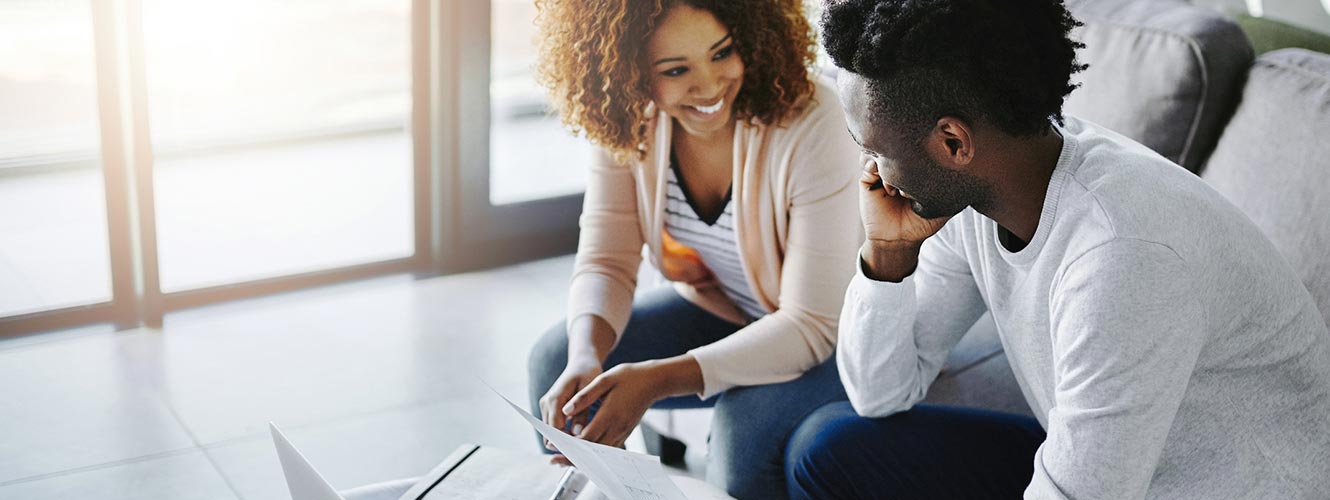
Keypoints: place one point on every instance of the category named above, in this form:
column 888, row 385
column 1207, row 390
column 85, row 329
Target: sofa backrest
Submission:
column 1162, row 72
column 1273, row 161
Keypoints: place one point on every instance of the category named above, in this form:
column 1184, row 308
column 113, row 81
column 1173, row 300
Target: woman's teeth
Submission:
column 710, row 109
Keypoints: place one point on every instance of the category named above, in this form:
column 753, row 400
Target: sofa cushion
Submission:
column 1273, row 160
column 1162, row 72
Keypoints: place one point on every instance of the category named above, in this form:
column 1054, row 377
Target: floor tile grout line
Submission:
column 411, row 405
column 234, row 440
column 209, row 451
column 222, row 474
column 193, row 438
column 103, row 465
column 204, row 448
column 44, row 343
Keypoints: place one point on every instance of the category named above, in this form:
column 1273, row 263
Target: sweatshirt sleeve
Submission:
column 609, row 247
column 895, row 337
column 1127, row 331
column 823, row 233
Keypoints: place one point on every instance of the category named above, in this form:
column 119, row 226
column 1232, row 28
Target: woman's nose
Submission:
column 706, row 83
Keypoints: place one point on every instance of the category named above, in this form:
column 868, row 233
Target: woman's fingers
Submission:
column 552, row 403
column 579, row 422
column 608, row 428
column 555, row 417
column 582, row 401
column 560, row 460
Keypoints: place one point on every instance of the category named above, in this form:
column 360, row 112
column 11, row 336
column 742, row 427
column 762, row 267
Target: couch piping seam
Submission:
column 1205, row 76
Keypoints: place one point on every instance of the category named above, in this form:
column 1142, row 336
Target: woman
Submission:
column 734, row 169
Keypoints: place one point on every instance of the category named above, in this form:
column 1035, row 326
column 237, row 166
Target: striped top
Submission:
column 713, row 240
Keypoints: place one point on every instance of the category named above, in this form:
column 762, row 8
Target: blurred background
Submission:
column 275, row 137
column 332, row 214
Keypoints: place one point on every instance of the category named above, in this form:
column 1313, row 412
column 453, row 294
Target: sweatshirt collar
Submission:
column 1062, row 173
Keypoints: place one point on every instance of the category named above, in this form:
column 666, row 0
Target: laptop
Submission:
column 302, row 479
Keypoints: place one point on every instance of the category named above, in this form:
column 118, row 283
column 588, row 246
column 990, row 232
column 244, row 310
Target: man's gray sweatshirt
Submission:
column 1162, row 341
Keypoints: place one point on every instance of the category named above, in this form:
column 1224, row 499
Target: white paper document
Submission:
column 692, row 488
column 619, row 474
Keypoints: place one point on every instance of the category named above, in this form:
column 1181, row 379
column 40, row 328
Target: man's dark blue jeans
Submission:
column 929, row 451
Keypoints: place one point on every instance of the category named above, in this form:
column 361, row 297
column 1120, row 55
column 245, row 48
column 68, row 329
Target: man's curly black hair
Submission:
column 1006, row 62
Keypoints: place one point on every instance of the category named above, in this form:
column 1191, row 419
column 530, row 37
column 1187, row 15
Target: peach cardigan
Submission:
column 796, row 223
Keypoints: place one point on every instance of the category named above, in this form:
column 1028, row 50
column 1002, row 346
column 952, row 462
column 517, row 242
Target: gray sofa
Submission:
column 1182, row 80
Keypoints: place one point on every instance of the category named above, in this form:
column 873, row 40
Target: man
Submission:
column 1165, row 347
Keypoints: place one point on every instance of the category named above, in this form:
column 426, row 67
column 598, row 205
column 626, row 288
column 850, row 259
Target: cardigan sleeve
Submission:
column 609, row 247
column 821, row 245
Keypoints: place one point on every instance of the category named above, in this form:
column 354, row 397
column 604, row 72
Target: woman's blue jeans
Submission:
column 750, row 426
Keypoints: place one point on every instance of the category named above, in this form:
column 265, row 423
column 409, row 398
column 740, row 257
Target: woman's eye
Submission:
column 673, row 72
column 723, row 53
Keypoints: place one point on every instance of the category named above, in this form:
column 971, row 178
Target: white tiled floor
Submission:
column 373, row 380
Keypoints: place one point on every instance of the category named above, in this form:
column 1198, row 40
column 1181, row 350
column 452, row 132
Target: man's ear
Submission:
column 952, row 141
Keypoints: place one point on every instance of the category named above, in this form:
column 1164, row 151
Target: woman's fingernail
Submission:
column 577, row 429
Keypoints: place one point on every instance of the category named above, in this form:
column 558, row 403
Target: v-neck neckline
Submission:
column 708, row 219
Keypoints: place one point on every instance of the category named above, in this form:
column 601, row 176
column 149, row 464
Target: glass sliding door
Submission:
column 280, row 136
column 531, row 155
column 53, row 220
column 521, row 175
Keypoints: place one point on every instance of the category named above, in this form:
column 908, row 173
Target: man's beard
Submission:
column 940, row 192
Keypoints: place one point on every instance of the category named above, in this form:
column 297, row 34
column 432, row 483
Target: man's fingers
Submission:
column 869, row 177
column 869, row 163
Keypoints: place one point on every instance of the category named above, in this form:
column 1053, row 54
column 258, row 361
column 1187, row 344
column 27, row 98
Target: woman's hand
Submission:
column 576, row 376
column 626, row 391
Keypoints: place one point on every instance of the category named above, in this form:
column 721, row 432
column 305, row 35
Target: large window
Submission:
column 161, row 154
column 281, row 136
column 531, row 157
column 53, row 235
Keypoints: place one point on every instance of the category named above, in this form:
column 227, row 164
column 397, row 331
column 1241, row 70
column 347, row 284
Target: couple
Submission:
column 1166, row 349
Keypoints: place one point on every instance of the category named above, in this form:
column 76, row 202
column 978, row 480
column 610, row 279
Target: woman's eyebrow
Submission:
column 718, row 42
column 680, row 59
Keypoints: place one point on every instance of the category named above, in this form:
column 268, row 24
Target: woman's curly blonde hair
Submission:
column 592, row 53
